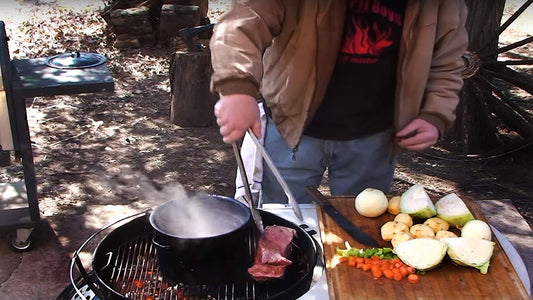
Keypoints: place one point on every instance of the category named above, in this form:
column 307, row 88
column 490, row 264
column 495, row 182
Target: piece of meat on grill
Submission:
column 272, row 253
column 275, row 245
column 264, row 272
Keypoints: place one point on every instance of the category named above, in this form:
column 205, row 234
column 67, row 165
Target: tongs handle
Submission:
column 247, row 192
column 277, row 174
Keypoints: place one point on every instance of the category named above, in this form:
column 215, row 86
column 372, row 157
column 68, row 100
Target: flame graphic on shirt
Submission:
column 368, row 38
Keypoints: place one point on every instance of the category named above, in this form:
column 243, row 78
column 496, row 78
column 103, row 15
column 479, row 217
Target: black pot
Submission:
column 204, row 234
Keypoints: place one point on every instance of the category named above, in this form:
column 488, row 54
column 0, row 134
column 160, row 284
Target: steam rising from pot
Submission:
column 185, row 214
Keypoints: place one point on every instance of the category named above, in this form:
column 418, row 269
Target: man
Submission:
column 344, row 83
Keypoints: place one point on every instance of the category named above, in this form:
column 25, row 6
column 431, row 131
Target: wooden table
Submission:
column 447, row 281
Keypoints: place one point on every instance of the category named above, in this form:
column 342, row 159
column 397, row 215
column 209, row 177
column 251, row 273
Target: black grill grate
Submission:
column 136, row 275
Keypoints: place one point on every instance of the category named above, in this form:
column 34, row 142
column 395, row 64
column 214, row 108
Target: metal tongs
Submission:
column 248, row 193
column 292, row 201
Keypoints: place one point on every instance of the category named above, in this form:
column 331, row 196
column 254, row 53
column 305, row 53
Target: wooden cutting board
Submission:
column 447, row 281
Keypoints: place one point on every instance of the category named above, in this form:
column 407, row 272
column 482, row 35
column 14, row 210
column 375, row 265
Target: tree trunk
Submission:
column 192, row 101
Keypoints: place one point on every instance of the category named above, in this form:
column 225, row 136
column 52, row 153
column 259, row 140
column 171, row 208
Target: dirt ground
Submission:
column 96, row 148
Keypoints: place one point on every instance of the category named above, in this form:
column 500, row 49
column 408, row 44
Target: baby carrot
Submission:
column 351, row 261
column 412, row 278
column 388, row 273
column 376, row 272
column 403, row 271
column 397, row 275
column 367, row 267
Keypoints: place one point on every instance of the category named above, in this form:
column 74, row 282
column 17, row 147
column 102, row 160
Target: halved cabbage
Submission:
column 422, row 254
column 453, row 210
column 472, row 252
column 416, row 202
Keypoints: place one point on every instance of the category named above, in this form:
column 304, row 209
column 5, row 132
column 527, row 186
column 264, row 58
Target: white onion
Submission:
column 371, row 203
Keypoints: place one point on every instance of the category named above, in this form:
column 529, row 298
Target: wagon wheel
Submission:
column 495, row 113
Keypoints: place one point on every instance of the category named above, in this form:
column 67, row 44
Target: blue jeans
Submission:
column 352, row 165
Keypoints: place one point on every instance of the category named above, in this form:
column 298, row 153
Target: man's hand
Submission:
column 235, row 114
column 418, row 135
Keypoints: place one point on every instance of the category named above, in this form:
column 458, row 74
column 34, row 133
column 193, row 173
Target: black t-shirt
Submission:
column 359, row 99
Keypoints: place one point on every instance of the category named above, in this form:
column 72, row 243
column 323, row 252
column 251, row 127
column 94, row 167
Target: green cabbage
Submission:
column 422, row 254
column 472, row 252
column 416, row 202
column 453, row 210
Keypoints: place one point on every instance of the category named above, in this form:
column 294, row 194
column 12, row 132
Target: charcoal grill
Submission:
column 126, row 266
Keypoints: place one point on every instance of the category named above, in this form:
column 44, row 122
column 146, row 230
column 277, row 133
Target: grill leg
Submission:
column 20, row 239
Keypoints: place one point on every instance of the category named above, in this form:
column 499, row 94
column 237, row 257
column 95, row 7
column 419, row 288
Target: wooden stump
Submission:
column 174, row 17
column 131, row 20
column 192, row 101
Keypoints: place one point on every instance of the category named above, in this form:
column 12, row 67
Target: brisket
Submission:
column 272, row 253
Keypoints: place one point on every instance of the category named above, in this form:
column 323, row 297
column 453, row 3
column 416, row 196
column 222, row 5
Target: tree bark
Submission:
column 192, row 101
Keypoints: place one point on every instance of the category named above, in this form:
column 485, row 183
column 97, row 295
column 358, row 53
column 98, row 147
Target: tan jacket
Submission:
column 286, row 51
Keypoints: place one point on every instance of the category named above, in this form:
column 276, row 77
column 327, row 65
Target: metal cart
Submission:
column 70, row 73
